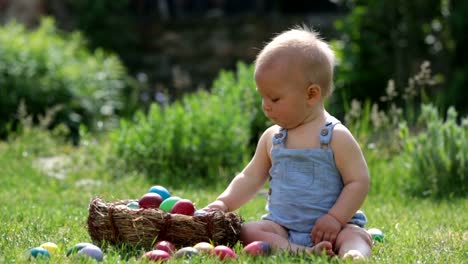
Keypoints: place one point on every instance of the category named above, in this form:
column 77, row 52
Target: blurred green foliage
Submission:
column 201, row 139
column 376, row 123
column 430, row 152
column 438, row 155
column 107, row 24
column 46, row 69
column 386, row 39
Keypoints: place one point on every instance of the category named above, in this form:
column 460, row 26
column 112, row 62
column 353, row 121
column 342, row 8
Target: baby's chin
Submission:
column 287, row 126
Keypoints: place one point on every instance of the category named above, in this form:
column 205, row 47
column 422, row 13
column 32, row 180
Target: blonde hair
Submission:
column 311, row 52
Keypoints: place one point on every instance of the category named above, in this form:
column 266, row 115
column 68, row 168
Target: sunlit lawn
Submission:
column 38, row 207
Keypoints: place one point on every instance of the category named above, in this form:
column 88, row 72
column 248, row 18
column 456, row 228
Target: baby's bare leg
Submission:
column 267, row 231
column 324, row 247
column 277, row 237
column 354, row 242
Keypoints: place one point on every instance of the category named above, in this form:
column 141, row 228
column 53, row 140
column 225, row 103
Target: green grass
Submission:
column 38, row 208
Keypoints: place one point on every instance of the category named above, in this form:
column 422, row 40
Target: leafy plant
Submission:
column 437, row 155
column 375, row 126
column 203, row 137
column 383, row 39
column 45, row 68
column 241, row 85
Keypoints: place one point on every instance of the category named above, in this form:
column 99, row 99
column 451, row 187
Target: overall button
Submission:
column 324, row 132
column 279, row 135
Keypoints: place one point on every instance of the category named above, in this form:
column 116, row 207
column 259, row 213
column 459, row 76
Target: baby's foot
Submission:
column 322, row 247
column 354, row 255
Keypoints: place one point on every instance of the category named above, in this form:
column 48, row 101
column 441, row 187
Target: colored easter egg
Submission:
column 376, row 234
column 183, row 206
column 165, row 246
column 156, row 255
column 51, row 247
column 204, row 247
column 257, row 248
column 133, row 205
column 39, row 252
column 224, row 252
column 77, row 248
column 200, row 212
column 150, row 200
column 186, row 252
column 168, row 203
column 91, row 251
column 161, row 191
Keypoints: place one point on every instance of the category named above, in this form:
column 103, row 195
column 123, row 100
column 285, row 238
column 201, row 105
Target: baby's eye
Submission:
column 274, row 100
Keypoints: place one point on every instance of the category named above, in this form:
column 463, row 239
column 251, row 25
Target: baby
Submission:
column 318, row 177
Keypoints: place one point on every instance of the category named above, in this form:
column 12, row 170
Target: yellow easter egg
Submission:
column 51, row 247
column 204, row 247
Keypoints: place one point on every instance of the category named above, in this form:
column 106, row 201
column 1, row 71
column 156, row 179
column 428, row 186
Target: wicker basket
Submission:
column 116, row 224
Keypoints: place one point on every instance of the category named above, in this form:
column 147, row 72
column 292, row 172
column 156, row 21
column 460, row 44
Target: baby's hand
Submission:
column 326, row 228
column 216, row 206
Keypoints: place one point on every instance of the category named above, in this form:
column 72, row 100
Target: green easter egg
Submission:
column 167, row 204
column 377, row 234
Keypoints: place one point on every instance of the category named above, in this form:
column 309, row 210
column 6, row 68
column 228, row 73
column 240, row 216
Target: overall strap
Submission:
column 327, row 131
column 279, row 138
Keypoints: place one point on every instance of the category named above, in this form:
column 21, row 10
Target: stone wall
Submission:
column 182, row 57
column 175, row 46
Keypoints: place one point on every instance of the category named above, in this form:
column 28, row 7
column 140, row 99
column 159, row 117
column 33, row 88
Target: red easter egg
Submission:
column 183, row 206
column 165, row 246
column 156, row 255
column 150, row 200
column 224, row 252
column 257, row 248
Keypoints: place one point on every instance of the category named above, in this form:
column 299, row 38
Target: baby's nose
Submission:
column 266, row 107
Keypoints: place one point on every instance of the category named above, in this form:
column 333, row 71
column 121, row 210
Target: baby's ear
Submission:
column 314, row 92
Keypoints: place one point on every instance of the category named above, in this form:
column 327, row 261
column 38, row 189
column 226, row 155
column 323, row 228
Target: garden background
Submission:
column 107, row 98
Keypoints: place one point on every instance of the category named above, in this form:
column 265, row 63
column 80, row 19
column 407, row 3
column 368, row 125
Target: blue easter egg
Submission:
column 200, row 212
column 161, row 191
column 186, row 252
column 77, row 248
column 39, row 252
column 92, row 251
column 133, row 205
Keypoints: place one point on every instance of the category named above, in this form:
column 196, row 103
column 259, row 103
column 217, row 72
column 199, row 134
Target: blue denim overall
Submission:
column 304, row 185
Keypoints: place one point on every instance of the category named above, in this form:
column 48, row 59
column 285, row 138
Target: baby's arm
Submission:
column 246, row 184
column 353, row 169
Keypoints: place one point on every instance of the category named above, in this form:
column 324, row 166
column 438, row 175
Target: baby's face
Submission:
column 284, row 94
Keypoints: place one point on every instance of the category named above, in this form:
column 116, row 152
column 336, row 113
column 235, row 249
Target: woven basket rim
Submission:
column 114, row 223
